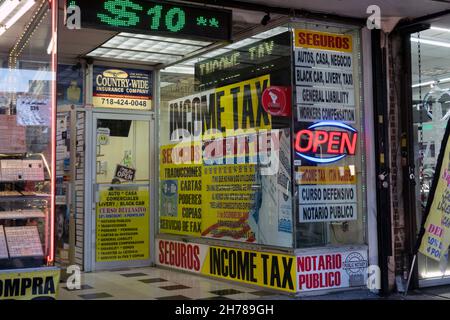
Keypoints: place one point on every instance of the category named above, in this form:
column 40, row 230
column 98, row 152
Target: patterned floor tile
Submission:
column 133, row 275
column 82, row 287
column 217, row 298
column 226, row 292
column 92, row 296
column 262, row 293
column 175, row 287
column 153, row 280
column 174, row 298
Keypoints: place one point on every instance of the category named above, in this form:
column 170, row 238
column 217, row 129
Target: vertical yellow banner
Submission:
column 123, row 220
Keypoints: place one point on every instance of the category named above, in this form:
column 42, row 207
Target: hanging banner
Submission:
column 122, row 88
column 435, row 233
column 123, row 219
column 29, row 285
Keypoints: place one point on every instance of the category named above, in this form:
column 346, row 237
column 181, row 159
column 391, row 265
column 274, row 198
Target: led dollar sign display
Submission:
column 120, row 13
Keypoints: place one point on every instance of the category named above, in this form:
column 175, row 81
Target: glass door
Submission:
column 121, row 191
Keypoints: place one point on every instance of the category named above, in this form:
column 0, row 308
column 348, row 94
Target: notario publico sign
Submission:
column 320, row 144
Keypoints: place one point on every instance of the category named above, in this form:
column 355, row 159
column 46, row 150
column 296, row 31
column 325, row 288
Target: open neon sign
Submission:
column 155, row 17
column 337, row 144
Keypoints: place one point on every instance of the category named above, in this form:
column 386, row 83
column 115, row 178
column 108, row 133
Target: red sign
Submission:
column 277, row 101
column 330, row 142
column 181, row 255
column 339, row 144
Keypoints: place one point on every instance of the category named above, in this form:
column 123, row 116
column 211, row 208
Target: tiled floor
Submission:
column 157, row 284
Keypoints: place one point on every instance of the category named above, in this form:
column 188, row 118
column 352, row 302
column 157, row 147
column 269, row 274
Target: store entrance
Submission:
column 121, row 190
column 430, row 52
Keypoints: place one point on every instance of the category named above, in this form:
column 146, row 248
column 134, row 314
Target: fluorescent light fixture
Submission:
column 428, row 83
column 180, row 69
column 433, row 274
column 27, row 6
column 165, row 84
column 440, row 29
column 7, row 7
column 432, row 42
column 423, row 84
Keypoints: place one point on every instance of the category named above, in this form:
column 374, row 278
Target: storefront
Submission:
column 265, row 160
column 198, row 139
column 27, row 150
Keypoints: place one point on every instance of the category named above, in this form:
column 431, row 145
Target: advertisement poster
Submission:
column 233, row 107
column 274, row 271
column 340, row 268
column 122, row 88
column 435, row 234
column 324, row 133
column 70, row 85
column 204, row 196
column 29, row 285
column 33, row 111
column 122, row 225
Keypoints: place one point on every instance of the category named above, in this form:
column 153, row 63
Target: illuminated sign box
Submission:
column 155, row 18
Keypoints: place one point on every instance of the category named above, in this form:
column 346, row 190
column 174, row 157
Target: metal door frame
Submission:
column 92, row 115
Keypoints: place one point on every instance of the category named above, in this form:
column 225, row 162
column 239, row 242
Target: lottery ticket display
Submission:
column 23, row 242
column 21, row 214
column 22, row 170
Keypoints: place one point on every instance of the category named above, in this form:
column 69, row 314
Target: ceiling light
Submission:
column 431, row 42
column 180, row 69
column 428, row 83
column 27, row 6
column 7, row 7
column 423, row 84
column 440, row 29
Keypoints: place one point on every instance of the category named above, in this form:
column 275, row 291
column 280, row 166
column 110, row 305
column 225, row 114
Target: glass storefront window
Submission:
column 329, row 136
column 26, row 129
column 225, row 163
column 236, row 165
column 431, row 97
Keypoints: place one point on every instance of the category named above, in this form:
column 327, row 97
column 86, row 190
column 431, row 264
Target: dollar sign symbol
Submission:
column 121, row 13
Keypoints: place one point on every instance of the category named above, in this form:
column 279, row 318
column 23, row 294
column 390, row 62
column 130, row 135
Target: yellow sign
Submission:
column 32, row 285
column 436, row 240
column 233, row 107
column 240, row 105
column 122, row 225
column 323, row 41
column 264, row 269
column 190, row 188
column 325, row 175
